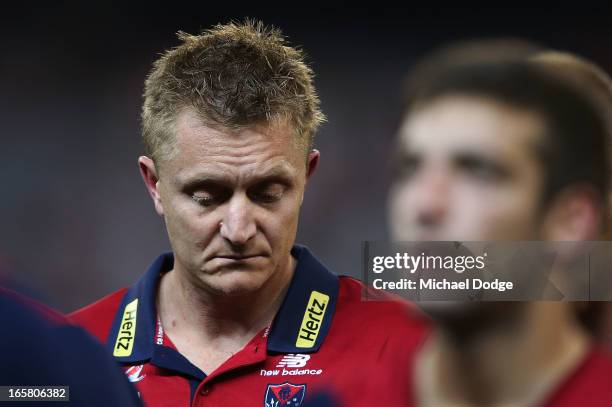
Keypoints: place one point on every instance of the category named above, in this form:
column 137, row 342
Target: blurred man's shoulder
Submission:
column 589, row 384
column 40, row 348
column 98, row 316
column 42, row 310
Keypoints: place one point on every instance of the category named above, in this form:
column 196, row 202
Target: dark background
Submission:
column 75, row 220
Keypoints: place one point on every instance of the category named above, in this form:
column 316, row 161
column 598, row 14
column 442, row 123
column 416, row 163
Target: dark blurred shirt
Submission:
column 39, row 348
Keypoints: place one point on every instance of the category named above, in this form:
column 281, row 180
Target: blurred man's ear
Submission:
column 312, row 163
column 311, row 166
column 574, row 215
column 151, row 180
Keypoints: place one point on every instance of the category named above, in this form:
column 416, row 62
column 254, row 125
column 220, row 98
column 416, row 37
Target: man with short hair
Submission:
column 493, row 149
column 237, row 314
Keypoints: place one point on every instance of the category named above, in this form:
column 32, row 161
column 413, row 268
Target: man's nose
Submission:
column 238, row 224
column 432, row 195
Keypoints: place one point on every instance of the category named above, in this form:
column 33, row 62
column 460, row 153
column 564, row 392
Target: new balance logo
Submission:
column 294, row 360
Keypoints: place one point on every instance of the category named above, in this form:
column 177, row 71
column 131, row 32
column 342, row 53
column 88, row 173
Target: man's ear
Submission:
column 575, row 214
column 312, row 163
column 151, row 180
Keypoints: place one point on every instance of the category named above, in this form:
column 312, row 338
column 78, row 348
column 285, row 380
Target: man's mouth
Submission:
column 238, row 257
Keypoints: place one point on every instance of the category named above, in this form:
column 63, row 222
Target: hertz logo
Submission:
column 125, row 337
column 313, row 317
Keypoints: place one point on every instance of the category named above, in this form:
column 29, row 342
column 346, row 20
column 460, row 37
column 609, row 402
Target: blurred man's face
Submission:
column 467, row 170
column 231, row 202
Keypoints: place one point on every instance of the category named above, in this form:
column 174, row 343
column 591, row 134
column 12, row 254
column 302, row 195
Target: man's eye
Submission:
column 208, row 195
column 268, row 193
column 203, row 199
column 405, row 167
column 484, row 171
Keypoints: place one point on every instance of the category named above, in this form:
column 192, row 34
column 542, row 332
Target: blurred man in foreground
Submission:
column 41, row 348
column 237, row 314
column 498, row 148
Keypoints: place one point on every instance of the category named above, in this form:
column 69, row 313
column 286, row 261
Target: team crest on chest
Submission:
column 285, row 394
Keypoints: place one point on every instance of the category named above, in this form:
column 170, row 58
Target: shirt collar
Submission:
column 132, row 335
column 305, row 316
column 300, row 326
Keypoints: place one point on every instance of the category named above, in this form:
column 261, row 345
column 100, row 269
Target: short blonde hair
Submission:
column 233, row 76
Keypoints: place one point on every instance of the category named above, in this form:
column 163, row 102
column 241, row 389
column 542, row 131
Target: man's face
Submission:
column 467, row 170
column 231, row 202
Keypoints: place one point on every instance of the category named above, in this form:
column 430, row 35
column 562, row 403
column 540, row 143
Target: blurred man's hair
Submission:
column 593, row 81
column 233, row 76
column 465, row 53
column 573, row 149
column 583, row 73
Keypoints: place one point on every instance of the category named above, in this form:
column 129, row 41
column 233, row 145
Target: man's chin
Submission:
column 467, row 318
column 443, row 310
column 234, row 282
